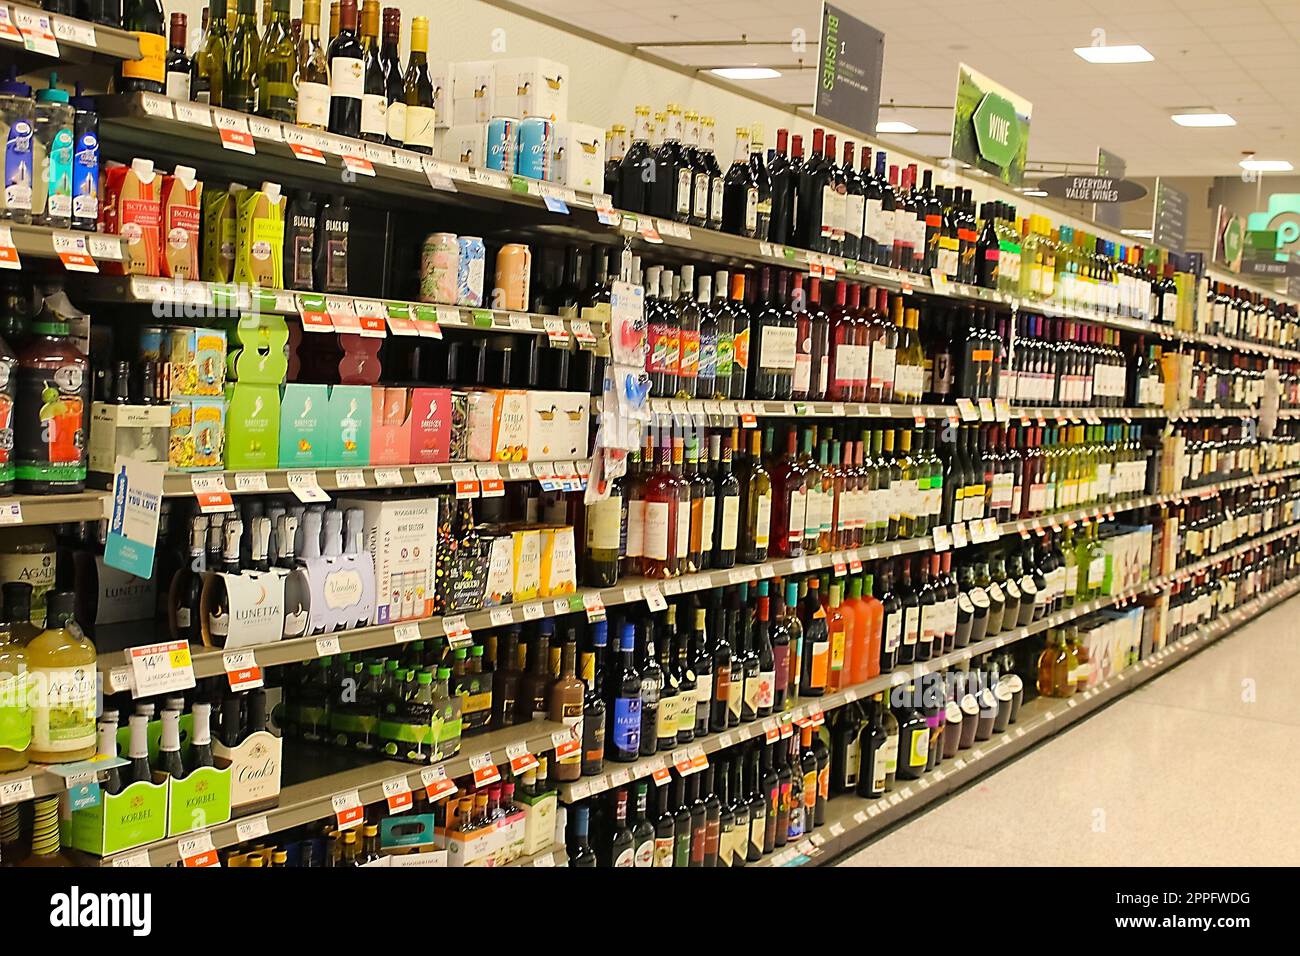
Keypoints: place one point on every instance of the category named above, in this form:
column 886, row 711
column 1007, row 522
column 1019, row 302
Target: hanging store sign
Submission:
column 1229, row 238
column 1169, row 219
column 1114, row 165
column 990, row 126
column 851, row 60
column 1093, row 189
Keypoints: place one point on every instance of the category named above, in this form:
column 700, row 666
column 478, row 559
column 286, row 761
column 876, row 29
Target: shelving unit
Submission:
column 74, row 40
column 852, row 820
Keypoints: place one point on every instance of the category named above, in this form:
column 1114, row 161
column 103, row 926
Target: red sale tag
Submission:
column 521, row 761
column 359, row 165
column 197, row 850
column 311, row 308
column 240, row 140
column 683, row 762
column 771, row 731
column 661, row 776
column 348, row 810
column 485, row 771
column 567, row 748
column 242, row 670
column 436, row 784
column 749, row 421
column 398, row 794
column 308, row 153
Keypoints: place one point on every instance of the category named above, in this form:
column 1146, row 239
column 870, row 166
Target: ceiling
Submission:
column 1236, row 56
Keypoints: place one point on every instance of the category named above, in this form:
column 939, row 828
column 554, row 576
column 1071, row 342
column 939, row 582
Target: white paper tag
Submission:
column 305, row 487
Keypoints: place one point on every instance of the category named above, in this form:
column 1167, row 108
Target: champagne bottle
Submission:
column 144, row 19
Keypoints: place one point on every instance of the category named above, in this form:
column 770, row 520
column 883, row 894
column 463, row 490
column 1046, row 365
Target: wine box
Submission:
column 558, row 426
column 252, row 425
column 133, row 209
column 199, row 801
column 430, row 420
column 473, row 91
column 578, row 156
column 255, row 766
column 137, row 432
column 401, row 537
column 198, row 432
column 531, row 86
column 498, row 425
column 180, row 213
column 256, row 607
column 303, row 415
column 347, row 426
column 559, row 568
column 136, row 816
column 341, row 592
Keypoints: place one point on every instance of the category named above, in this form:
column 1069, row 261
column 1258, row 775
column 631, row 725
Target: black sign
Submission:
column 1270, row 268
column 1109, row 164
column 1169, row 222
column 850, row 62
column 1095, row 189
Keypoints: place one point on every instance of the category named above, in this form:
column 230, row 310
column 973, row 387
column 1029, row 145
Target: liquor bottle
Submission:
column 219, row 607
column 819, row 345
column 347, row 74
column 717, row 182
column 703, row 501
column 633, row 186
column 688, row 317
column 643, row 831
column 313, row 109
column 740, row 666
column 393, row 80
column 702, row 667
column 668, row 717
column 740, row 327
column 758, row 506
column 144, row 19
column 697, row 171
column 740, row 191
column 61, row 668
column 604, row 529
column 659, row 544
column 782, row 178
column 684, row 793
column 772, row 340
column 913, row 734
column 661, row 190
column 626, row 687
column 816, row 646
column 580, row 852
column 567, row 707
column 681, row 493
column 722, row 668
column 681, row 166
column 242, row 57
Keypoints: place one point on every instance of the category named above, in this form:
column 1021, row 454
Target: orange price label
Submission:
column 398, row 794
column 197, row 850
column 749, row 421
column 348, row 810
column 771, row 731
column 485, row 770
column 307, row 153
column 359, row 165
column 661, row 776
column 521, row 760
column 436, row 784
column 239, row 140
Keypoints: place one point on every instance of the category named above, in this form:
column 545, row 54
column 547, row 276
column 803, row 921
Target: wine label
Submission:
column 762, row 521
column 374, row 118
column 313, row 104
column 347, row 78
column 419, row 126
column 778, row 346
column 655, row 543
column 62, row 708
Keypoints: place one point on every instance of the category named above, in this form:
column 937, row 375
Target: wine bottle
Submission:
column 740, row 191
column 313, row 108
column 138, row 770
column 144, row 19
column 178, row 64
column 374, row 98
column 627, row 701
column 169, row 745
column 208, row 65
column 417, row 93
column 347, row 74
column 219, row 608
column 394, row 82
column 277, row 94
column 242, row 56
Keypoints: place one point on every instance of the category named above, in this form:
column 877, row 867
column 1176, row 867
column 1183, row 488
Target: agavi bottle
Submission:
column 15, row 715
column 61, row 661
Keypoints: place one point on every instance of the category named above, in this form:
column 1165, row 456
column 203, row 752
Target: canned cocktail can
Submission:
column 514, row 270
column 502, row 143
column 534, row 160
column 438, row 265
column 469, row 271
column 152, row 338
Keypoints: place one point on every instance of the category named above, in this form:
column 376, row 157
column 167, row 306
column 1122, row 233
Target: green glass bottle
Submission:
column 242, row 60
column 208, row 65
column 277, row 95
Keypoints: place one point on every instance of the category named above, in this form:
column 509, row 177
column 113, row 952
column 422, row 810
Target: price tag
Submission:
column 521, row 760
column 436, row 784
column 939, row 281
column 398, row 794
column 306, row 153
column 1002, row 410
column 343, row 315
column 581, row 330
column 15, row 791
column 457, row 631
column 654, row 598
column 565, row 744
column 682, row 762
column 248, row 481
column 8, row 251
column 159, row 668
column 959, row 539
column 520, row 322
column 197, row 850
column 555, row 204
column 265, row 129
column 211, row 492
column 11, row 512
column 969, row 413
column 986, row 410
column 838, row 563
column 348, row 811
column 594, row 605
column 7, row 29
column 661, row 775
column 620, row 778
column 83, row 34
column 748, row 420
column 193, row 113
column 406, row 631
column 534, row 611
column 327, row 646
column 580, row 790
column 427, row 474
column 942, row 538
column 490, row 481
column 605, row 210
column 241, row 670
column 252, row 829
column 991, row 532
column 313, row 313
column 699, row 759
column 388, row 477
column 501, row 616
column 350, row 478
column 37, row 30
column 72, row 251
column 466, row 479
column 787, row 728
column 771, row 730
column 358, row 165
column 556, row 333
column 305, row 487
column 238, row 140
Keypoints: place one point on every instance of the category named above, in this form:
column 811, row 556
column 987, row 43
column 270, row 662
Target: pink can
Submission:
column 439, row 264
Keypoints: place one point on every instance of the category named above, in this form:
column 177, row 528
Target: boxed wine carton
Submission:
column 467, row 144
column 198, row 361
column 304, row 411
column 473, row 91
column 257, row 354
column 558, row 426
column 430, row 425
column 180, row 238
column 559, row 570
column 528, row 563
column 259, row 237
column 138, row 432
column 390, row 426
column 440, row 79
column 197, row 434
column 252, row 426
column 497, row 425
column 532, row 86
column 578, row 156
column 347, row 427
column 401, row 537
column 133, row 209
column 220, row 218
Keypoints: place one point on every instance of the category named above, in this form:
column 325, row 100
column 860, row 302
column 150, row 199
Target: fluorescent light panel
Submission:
column 1131, row 53
column 894, row 126
column 1203, row 120
column 746, row 73
column 1267, row 165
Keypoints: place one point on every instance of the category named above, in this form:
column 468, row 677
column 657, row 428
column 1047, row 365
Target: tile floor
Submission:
column 1197, row 767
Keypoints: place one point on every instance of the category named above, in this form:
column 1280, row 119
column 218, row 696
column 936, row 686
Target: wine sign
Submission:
column 1093, row 188
column 850, row 61
column 990, row 126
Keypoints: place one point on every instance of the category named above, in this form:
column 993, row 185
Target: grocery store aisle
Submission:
column 1194, row 768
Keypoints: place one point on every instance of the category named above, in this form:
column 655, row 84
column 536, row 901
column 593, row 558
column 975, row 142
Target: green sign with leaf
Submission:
column 990, row 127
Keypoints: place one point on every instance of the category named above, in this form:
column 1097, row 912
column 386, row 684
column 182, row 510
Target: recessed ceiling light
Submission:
column 1203, row 119
column 1131, row 53
column 1035, row 192
column 894, row 126
column 746, row 73
column 1137, row 233
column 1267, row 165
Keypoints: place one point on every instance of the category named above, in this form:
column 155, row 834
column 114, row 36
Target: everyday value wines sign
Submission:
column 990, row 126
column 850, row 62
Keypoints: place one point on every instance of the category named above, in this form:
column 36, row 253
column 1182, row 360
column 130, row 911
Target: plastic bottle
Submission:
column 16, row 127
column 52, row 392
column 85, row 163
column 52, row 185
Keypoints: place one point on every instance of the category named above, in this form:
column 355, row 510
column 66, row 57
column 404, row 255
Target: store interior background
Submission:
column 1236, row 56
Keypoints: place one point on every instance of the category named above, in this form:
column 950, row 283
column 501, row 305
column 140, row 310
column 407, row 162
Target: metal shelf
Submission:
column 617, row 775
column 54, row 509
column 311, row 800
column 209, row 662
column 77, row 41
column 46, row 242
column 851, row 820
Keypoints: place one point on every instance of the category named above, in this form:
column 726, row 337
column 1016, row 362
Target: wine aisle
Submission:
column 1114, row 789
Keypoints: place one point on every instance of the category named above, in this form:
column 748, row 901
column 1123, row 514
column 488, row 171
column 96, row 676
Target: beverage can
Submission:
column 534, row 150
column 502, row 143
column 469, row 271
column 514, row 270
column 438, row 266
column 152, row 338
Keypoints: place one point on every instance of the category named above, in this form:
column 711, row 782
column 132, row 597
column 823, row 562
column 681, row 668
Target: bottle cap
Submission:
column 52, row 94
